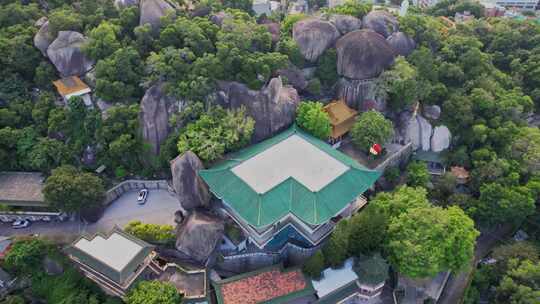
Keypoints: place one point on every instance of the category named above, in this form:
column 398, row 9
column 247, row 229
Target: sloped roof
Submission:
column 22, row 188
column 290, row 194
column 341, row 117
column 70, row 85
column 115, row 255
column 267, row 285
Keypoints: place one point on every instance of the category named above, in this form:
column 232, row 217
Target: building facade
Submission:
column 290, row 188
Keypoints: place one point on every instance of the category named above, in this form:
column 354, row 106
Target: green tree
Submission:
column 371, row 128
column 102, row 41
column 14, row 299
column 216, row 132
column 153, row 292
column 336, row 249
column 417, row 174
column 64, row 19
column 151, row 232
column 312, row 117
column 367, row 231
column 118, row 76
column 25, row 255
column 425, row 241
column 400, row 84
column 327, row 68
column 70, row 190
column 351, row 7
column 520, row 285
column 47, row 154
column 314, row 265
column 501, row 204
column 393, row 204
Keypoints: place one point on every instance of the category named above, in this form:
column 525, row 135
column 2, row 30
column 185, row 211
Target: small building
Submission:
column 433, row 160
column 342, row 119
column 22, row 189
column 73, row 86
column 463, row 17
column 267, row 285
column 359, row 281
column 292, row 187
column 115, row 260
column 461, row 174
column 261, row 7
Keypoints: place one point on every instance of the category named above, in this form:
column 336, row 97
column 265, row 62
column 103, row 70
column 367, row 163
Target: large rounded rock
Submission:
column 43, row 39
column 156, row 108
column 314, row 36
column 402, row 44
column 152, row 11
column 432, row 112
column 415, row 129
column 198, row 235
column 346, row 23
column 66, row 55
column 219, row 17
column 294, row 77
column 273, row 29
column 189, row 188
column 273, row 107
column 355, row 92
column 440, row 140
column 381, row 22
column 363, row 54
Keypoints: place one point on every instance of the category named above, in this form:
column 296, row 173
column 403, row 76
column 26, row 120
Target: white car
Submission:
column 143, row 194
column 19, row 224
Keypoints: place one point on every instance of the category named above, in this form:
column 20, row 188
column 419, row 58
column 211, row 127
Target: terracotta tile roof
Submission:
column 262, row 286
column 341, row 117
column 460, row 172
column 70, row 85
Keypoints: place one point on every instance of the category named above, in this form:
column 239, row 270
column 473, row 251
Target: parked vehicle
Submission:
column 20, row 224
column 143, row 195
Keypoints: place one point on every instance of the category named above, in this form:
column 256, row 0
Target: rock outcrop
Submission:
column 152, row 10
column 273, row 29
column 219, row 17
column 402, row 44
column 415, row 129
column 66, row 55
column 355, row 92
column 294, row 77
column 314, row 36
column 156, row 108
column 432, row 112
column 440, row 140
column 381, row 22
column 363, row 54
column 346, row 23
column 43, row 39
column 190, row 189
column 273, row 107
column 198, row 235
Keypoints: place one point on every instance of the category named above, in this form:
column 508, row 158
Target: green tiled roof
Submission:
column 97, row 265
column 340, row 294
column 290, row 196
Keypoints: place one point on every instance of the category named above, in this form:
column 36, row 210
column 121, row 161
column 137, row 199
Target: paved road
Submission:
column 159, row 209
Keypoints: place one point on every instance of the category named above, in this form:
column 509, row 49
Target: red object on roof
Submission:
column 261, row 287
column 375, row 149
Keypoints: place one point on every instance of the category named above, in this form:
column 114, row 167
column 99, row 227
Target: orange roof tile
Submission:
column 70, row 85
column 261, row 286
column 459, row 172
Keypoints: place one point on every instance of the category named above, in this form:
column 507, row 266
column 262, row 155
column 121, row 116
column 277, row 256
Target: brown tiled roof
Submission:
column 460, row 172
column 341, row 117
column 69, row 85
column 263, row 286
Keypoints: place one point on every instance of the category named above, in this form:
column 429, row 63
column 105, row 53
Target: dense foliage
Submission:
column 313, row 118
column 152, row 233
column 153, row 292
column 371, row 128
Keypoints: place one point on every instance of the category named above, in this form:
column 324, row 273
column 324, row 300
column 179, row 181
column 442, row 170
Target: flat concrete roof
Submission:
column 24, row 188
column 116, row 251
column 333, row 279
column 293, row 157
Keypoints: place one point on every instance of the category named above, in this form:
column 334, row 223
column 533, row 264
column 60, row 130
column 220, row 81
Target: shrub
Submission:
column 312, row 117
column 152, row 233
column 371, row 128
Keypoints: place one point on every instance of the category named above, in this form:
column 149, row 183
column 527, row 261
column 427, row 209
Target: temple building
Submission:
column 342, row 119
column 292, row 188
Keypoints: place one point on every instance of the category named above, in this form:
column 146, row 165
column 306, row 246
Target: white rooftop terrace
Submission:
column 333, row 279
column 293, row 157
column 116, row 251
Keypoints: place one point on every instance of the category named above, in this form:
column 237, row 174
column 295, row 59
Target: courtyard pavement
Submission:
column 159, row 209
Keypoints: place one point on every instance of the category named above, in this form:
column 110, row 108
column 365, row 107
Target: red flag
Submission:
column 375, row 149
